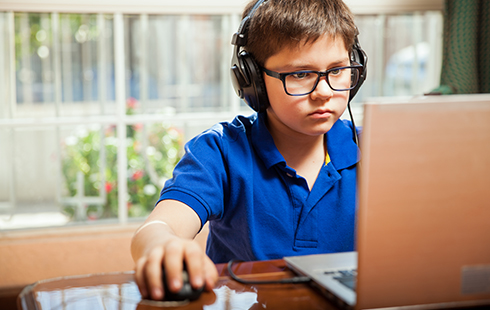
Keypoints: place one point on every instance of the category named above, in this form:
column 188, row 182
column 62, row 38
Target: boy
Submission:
column 281, row 182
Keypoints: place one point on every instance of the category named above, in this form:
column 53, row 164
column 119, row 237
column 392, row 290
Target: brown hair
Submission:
column 278, row 24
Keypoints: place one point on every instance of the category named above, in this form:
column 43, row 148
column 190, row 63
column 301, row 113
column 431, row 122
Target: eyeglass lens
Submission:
column 306, row 82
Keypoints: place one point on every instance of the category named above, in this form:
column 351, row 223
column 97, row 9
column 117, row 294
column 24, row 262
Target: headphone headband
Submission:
column 246, row 75
column 240, row 37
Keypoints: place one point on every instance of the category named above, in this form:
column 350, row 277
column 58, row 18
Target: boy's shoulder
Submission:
column 347, row 124
column 240, row 125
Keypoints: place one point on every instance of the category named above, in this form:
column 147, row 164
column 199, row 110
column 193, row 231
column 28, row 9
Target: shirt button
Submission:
column 289, row 175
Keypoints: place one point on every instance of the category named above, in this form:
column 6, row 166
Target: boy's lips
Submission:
column 321, row 113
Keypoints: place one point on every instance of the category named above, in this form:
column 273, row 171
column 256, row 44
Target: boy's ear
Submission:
column 358, row 56
column 246, row 74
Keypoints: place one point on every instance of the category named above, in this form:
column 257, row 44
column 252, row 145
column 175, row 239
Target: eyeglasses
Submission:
column 300, row 83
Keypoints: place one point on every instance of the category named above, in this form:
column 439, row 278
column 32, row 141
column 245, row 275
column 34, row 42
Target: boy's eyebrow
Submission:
column 307, row 66
column 343, row 62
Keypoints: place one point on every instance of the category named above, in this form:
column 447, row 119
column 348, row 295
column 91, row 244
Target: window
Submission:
column 96, row 105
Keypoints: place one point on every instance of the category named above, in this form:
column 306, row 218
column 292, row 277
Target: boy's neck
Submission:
column 305, row 154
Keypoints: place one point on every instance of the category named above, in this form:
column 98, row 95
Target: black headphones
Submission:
column 246, row 74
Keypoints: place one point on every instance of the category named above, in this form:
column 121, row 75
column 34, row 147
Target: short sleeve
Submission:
column 200, row 179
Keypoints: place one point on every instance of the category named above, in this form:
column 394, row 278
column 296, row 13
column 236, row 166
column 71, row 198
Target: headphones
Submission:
column 246, row 75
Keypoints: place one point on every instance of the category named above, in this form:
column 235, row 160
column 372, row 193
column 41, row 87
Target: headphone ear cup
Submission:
column 358, row 56
column 255, row 93
column 238, row 76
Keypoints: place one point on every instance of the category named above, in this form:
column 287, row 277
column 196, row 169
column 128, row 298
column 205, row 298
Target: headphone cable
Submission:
column 354, row 129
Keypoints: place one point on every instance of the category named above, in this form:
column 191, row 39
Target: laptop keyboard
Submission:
column 346, row 277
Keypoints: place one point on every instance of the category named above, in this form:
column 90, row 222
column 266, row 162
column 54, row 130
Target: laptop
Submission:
column 423, row 218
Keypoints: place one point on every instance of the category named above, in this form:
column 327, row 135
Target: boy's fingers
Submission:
column 139, row 277
column 153, row 273
column 210, row 274
column 173, row 261
column 194, row 260
column 148, row 270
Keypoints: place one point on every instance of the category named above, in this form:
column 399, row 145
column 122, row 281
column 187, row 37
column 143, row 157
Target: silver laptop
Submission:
column 423, row 220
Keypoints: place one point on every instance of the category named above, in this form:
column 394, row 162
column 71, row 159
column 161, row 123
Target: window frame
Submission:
column 145, row 7
column 199, row 7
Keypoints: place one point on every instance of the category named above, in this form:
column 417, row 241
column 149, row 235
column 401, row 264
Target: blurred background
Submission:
column 98, row 98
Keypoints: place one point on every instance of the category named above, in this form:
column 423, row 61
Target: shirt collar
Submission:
column 264, row 143
column 341, row 147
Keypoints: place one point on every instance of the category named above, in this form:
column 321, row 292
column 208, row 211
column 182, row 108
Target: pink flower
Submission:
column 108, row 187
column 131, row 103
column 137, row 175
column 138, row 127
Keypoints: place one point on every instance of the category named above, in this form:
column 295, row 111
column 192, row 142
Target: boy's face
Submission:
column 313, row 114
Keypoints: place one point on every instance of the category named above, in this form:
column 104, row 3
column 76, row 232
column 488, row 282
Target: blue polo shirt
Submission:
column 258, row 207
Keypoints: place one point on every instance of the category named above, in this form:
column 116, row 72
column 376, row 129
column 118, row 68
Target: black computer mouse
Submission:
column 186, row 293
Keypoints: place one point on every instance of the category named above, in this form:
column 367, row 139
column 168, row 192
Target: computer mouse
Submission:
column 186, row 293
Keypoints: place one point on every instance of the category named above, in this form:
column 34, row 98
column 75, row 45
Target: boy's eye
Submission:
column 301, row 75
column 335, row 72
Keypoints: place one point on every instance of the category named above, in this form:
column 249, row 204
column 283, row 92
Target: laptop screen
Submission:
column 424, row 201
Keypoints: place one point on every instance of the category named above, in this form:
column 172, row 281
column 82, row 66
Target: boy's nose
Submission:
column 322, row 89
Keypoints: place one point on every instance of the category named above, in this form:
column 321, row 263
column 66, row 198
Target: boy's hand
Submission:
column 172, row 254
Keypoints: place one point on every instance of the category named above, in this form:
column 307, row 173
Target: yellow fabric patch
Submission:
column 327, row 159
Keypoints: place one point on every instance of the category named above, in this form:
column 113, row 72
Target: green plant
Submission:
column 152, row 153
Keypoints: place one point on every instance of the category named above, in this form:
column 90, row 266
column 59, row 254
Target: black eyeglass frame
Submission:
column 282, row 77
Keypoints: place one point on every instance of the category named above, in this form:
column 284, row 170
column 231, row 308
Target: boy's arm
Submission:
column 168, row 240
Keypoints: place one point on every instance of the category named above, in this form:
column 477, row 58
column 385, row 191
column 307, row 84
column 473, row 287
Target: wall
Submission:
column 32, row 255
